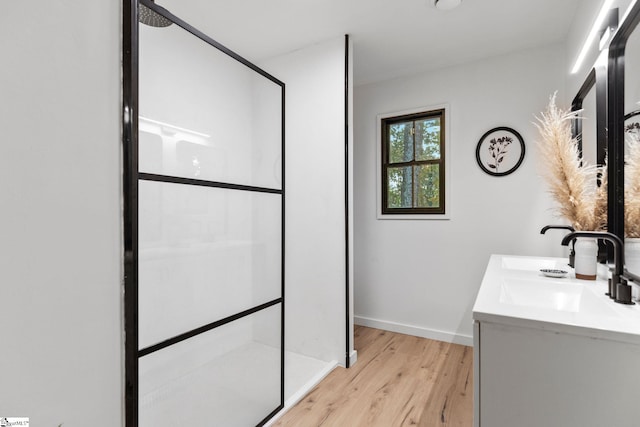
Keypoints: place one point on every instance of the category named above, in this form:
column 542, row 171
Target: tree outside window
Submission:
column 413, row 163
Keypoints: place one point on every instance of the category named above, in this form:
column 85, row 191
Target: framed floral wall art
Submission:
column 500, row 151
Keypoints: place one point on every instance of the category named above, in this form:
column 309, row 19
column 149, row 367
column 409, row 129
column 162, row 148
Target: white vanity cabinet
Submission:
column 552, row 352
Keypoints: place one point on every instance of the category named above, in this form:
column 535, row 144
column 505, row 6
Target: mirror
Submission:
column 588, row 136
column 632, row 148
column 632, row 93
column 624, row 127
column 589, row 126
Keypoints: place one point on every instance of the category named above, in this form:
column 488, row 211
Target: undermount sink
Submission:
column 514, row 290
column 549, row 294
column 530, row 264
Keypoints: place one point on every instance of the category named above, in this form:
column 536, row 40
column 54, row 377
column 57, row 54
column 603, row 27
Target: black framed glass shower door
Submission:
column 204, row 231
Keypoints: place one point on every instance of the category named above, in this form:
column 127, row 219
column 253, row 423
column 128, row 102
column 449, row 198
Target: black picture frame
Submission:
column 500, row 151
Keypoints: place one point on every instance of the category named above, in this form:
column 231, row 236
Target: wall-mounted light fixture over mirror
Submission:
column 596, row 31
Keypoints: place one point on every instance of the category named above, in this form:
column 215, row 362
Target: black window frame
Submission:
column 385, row 124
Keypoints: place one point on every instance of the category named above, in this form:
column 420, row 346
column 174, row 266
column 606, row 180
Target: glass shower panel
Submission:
column 214, row 118
column 204, row 254
column 229, row 376
column 208, row 234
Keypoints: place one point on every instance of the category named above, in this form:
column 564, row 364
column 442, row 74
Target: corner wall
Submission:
column 421, row 276
column 315, row 266
column 60, row 227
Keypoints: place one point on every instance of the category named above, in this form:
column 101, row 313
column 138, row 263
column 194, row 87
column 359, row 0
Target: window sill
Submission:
column 433, row 217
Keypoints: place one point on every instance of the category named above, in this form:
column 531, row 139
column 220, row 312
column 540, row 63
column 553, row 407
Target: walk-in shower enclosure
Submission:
column 204, row 213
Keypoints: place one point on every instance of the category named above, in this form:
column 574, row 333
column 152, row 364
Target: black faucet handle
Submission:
column 556, row 227
column 623, row 292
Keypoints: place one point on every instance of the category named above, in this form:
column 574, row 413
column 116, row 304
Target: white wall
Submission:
column 60, row 181
column 314, row 189
column 422, row 276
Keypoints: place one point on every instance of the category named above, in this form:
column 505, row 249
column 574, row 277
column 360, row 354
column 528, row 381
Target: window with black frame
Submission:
column 413, row 163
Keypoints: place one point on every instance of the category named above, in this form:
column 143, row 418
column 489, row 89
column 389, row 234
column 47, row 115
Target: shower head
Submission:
column 152, row 18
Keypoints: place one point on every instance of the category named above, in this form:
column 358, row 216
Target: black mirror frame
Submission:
column 597, row 78
column 615, row 121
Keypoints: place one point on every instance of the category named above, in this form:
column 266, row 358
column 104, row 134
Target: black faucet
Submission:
column 572, row 252
column 619, row 289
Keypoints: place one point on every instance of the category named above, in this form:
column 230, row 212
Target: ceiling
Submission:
column 390, row 38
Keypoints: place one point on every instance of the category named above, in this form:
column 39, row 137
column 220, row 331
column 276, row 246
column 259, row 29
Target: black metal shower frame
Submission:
column 347, row 253
column 131, row 177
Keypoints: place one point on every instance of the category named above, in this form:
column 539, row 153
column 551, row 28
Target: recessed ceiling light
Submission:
column 446, row 4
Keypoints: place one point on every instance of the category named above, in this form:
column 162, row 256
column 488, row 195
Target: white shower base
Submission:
column 302, row 373
column 229, row 390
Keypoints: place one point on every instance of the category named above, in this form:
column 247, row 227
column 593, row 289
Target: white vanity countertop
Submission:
column 515, row 292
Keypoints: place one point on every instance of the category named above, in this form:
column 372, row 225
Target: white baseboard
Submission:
column 302, row 392
column 417, row 331
column 353, row 357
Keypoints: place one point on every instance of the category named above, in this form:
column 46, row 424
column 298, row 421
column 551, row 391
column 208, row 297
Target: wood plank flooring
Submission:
column 398, row 380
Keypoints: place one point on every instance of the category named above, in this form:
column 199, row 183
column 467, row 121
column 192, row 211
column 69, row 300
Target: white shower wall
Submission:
column 315, row 200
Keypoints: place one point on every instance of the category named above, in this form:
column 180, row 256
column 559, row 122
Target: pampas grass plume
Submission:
column 571, row 184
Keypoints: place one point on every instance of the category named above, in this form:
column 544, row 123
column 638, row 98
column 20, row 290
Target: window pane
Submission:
column 400, row 142
column 428, row 139
column 399, row 187
column 428, row 186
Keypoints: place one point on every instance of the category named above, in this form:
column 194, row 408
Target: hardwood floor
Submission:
column 398, row 380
